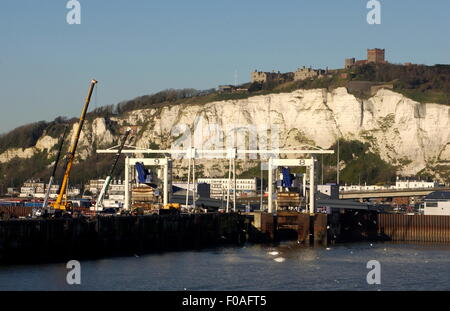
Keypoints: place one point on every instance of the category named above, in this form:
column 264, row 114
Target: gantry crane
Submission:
column 59, row 205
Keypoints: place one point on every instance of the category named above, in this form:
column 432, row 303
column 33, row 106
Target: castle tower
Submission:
column 376, row 56
column 349, row 62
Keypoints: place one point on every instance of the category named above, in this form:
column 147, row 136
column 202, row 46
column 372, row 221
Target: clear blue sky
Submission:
column 141, row 46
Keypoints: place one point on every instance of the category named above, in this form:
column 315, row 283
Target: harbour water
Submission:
column 286, row 266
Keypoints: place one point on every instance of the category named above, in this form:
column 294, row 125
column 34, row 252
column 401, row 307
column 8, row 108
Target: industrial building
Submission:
column 437, row 203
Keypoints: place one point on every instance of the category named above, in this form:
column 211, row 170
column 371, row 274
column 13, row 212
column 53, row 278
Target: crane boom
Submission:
column 52, row 177
column 58, row 205
column 99, row 203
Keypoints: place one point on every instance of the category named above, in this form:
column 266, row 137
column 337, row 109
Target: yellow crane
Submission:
column 59, row 204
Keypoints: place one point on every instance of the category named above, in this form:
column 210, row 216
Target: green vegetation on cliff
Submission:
column 421, row 83
column 16, row 171
column 22, row 137
column 359, row 164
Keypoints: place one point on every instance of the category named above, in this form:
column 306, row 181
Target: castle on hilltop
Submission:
column 376, row 56
column 264, row 77
column 299, row 75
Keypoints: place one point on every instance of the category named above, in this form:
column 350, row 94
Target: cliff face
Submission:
column 402, row 131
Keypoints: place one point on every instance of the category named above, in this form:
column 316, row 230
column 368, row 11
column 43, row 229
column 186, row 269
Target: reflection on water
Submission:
column 254, row 267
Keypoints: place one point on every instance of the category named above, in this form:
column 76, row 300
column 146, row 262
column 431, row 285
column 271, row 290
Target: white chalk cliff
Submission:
column 402, row 131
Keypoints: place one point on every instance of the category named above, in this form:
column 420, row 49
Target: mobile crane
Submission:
column 45, row 208
column 99, row 204
column 52, row 177
column 59, row 205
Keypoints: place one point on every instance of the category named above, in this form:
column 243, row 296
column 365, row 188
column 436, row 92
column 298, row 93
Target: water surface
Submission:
column 252, row 267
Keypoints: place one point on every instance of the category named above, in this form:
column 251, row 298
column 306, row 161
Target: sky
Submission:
column 140, row 47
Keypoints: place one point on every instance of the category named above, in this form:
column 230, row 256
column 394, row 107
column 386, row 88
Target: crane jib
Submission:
column 71, row 155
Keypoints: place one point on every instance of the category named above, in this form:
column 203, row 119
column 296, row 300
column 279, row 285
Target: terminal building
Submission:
column 219, row 186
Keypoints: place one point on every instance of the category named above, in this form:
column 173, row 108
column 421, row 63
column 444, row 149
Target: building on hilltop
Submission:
column 361, row 62
column 376, row 56
column 264, row 77
column 349, row 62
column 230, row 89
column 308, row 73
column 226, row 88
column 259, row 76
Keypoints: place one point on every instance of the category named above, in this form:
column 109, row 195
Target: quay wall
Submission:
column 43, row 240
column 35, row 240
column 350, row 226
column 415, row 228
